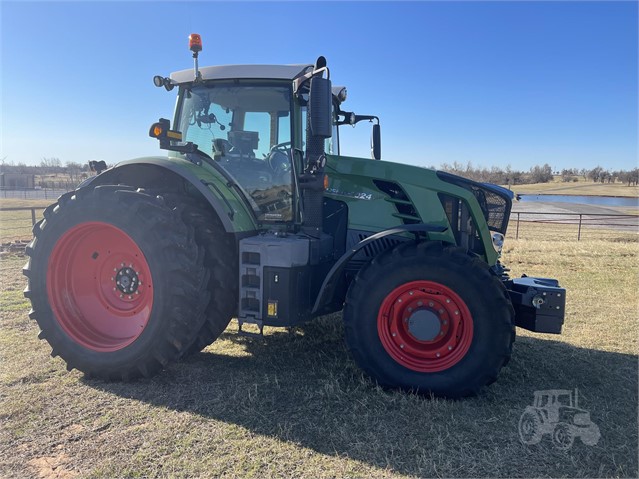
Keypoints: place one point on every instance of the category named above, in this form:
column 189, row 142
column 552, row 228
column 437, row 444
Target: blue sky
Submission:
column 494, row 83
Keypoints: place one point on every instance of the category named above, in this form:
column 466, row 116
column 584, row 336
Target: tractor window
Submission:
column 564, row 400
column 246, row 128
column 260, row 122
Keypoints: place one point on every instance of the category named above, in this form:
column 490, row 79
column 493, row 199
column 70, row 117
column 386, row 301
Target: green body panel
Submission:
column 205, row 176
column 351, row 181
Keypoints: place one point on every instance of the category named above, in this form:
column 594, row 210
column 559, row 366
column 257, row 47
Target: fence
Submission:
column 16, row 224
column 543, row 225
column 33, row 194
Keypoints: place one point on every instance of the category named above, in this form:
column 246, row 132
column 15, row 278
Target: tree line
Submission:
column 50, row 173
column 540, row 174
column 76, row 172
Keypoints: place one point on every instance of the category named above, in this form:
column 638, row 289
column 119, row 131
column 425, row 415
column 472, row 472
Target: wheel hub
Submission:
column 127, row 280
column 424, row 325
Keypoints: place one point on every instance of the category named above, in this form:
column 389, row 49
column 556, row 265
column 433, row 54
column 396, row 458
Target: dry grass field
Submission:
column 294, row 404
column 581, row 187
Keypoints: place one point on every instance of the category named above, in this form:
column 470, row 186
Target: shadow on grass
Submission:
column 304, row 388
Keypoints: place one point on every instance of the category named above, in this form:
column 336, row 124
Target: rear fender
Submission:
column 174, row 175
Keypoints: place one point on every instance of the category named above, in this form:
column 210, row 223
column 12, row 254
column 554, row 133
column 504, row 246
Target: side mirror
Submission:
column 376, row 142
column 320, row 107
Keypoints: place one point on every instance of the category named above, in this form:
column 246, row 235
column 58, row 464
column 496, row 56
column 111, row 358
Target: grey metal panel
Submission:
column 284, row 252
column 227, row 72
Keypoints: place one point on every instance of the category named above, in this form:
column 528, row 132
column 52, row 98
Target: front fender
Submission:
column 327, row 291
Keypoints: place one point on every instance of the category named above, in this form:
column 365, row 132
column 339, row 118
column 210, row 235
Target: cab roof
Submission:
column 230, row 72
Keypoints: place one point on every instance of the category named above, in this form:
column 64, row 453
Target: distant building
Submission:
column 15, row 181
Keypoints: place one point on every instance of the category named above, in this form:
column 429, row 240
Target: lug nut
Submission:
column 401, row 346
column 457, row 312
column 411, row 293
column 450, row 348
column 438, row 355
column 394, row 334
column 419, row 303
column 410, row 310
column 448, row 300
column 130, row 297
column 431, row 304
column 441, row 311
column 121, row 296
column 399, row 300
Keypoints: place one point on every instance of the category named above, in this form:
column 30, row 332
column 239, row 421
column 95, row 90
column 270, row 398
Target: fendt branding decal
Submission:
column 348, row 194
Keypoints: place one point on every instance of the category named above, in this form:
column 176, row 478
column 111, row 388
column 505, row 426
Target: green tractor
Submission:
column 254, row 215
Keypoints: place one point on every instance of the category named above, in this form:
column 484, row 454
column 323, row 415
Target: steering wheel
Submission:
column 278, row 158
column 281, row 146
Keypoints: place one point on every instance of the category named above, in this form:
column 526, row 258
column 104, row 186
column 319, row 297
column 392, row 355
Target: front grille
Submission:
column 494, row 205
column 461, row 223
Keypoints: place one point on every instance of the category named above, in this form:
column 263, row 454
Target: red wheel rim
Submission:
column 99, row 286
column 425, row 326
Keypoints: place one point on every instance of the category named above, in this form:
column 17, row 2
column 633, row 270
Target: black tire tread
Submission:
column 221, row 258
column 459, row 259
column 180, row 254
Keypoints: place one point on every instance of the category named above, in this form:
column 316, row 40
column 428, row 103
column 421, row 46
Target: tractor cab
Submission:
column 262, row 126
column 245, row 126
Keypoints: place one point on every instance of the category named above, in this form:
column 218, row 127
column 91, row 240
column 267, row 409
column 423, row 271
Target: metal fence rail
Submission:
column 33, row 194
column 626, row 222
column 16, row 223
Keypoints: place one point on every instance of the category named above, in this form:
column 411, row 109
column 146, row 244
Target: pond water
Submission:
column 586, row 200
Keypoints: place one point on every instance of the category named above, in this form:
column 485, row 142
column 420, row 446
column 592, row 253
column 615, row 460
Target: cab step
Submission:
column 258, row 322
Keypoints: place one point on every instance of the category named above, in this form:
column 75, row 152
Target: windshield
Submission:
column 246, row 129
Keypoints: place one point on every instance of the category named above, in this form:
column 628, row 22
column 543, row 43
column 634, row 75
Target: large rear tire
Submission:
column 220, row 259
column 426, row 318
column 116, row 281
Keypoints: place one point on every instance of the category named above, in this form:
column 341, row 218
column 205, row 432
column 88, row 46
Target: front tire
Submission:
column 563, row 436
column 116, row 281
column 431, row 319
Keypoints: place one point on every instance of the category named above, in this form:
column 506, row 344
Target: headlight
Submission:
column 498, row 241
